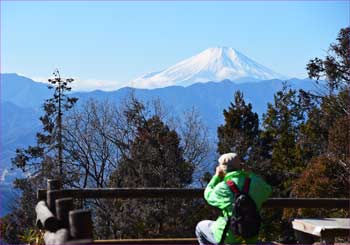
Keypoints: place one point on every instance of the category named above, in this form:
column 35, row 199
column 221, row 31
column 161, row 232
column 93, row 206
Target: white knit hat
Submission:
column 229, row 162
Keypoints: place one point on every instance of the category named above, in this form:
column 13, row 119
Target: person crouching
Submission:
column 239, row 194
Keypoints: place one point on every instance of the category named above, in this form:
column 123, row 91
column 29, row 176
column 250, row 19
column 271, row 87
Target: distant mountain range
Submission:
column 213, row 64
column 22, row 99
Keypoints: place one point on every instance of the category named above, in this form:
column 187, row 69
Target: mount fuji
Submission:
column 213, row 64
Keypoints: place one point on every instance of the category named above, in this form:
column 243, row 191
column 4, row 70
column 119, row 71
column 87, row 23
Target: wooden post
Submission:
column 54, row 184
column 41, row 195
column 53, row 192
column 80, row 224
column 304, row 238
column 328, row 236
column 63, row 206
column 327, row 239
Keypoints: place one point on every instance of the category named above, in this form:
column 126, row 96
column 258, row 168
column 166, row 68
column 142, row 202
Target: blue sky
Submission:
column 107, row 44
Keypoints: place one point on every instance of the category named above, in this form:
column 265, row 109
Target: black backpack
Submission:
column 245, row 220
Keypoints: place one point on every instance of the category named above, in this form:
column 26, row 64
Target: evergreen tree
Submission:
column 44, row 160
column 47, row 156
column 322, row 113
column 240, row 132
column 281, row 126
column 282, row 156
column 156, row 160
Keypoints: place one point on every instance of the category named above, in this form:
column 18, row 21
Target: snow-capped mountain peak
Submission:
column 212, row 64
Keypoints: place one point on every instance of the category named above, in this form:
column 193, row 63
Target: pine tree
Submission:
column 156, row 160
column 281, row 125
column 155, row 156
column 47, row 156
column 240, row 132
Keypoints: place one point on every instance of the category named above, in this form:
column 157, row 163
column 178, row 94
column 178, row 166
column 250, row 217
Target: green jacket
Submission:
column 219, row 195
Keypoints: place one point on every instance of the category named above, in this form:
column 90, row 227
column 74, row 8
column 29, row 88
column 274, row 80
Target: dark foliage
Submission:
column 241, row 129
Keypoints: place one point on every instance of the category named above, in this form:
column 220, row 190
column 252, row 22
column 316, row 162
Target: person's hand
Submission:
column 220, row 172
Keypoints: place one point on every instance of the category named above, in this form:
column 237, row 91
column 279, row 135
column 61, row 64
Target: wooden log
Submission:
column 149, row 241
column 45, row 218
column 63, row 206
column 80, row 241
column 197, row 193
column 80, row 224
column 154, row 241
column 59, row 237
column 129, row 193
column 307, row 203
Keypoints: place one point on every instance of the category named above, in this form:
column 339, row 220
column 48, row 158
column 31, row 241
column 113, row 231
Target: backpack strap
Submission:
column 246, row 185
column 235, row 190
column 233, row 187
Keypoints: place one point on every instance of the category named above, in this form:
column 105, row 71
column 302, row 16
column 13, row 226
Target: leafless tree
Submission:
column 93, row 156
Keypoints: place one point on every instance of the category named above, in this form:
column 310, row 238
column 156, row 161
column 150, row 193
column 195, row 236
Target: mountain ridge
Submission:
column 21, row 120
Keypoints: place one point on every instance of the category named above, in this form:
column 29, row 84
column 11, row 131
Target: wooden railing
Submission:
column 66, row 225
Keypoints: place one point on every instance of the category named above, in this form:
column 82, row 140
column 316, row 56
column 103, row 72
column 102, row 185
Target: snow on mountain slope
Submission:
column 213, row 64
